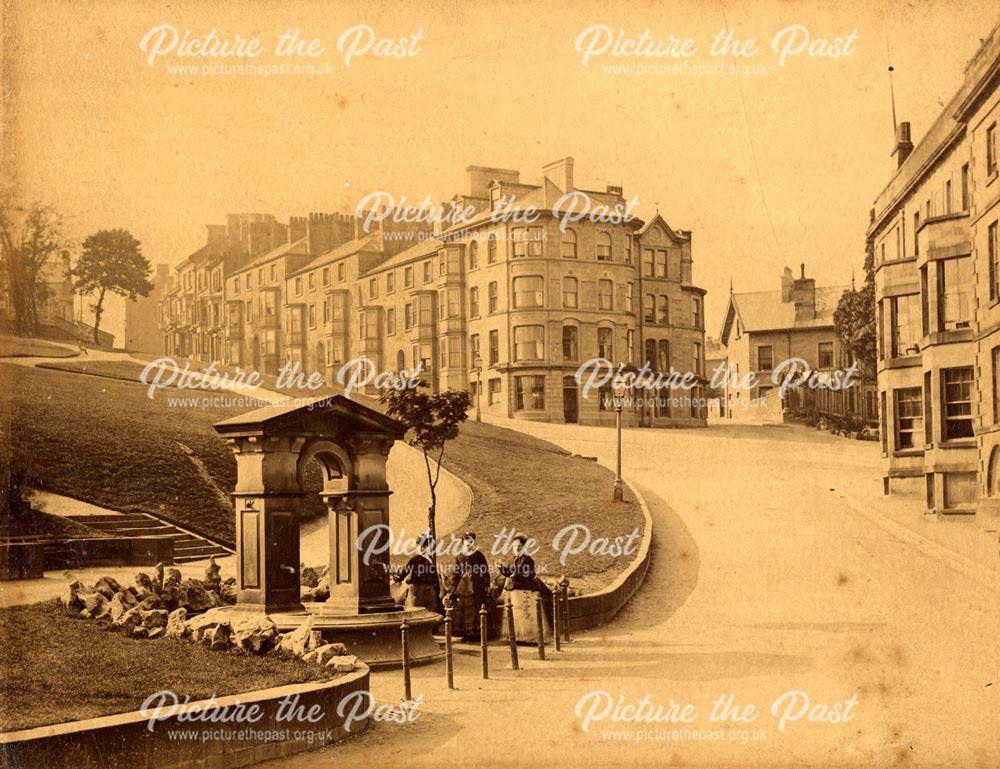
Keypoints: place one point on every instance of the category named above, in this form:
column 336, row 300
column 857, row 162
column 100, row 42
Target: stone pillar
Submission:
column 359, row 524
column 266, row 501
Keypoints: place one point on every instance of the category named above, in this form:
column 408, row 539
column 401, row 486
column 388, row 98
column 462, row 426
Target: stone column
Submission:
column 359, row 524
column 267, row 500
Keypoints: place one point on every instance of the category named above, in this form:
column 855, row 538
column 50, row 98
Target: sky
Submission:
column 774, row 168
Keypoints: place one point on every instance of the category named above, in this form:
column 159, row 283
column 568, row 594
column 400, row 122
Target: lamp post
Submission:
column 477, row 364
column 618, row 389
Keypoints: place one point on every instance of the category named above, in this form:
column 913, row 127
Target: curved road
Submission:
column 763, row 581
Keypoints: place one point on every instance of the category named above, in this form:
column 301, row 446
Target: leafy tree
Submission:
column 25, row 247
column 854, row 319
column 111, row 261
column 432, row 420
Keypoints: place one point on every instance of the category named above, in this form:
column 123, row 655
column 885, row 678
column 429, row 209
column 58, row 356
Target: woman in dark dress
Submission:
column 470, row 590
column 424, row 590
column 520, row 590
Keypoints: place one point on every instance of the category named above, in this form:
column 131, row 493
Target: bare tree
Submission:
column 28, row 239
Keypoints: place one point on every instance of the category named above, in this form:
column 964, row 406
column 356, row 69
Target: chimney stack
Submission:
column 903, row 144
column 786, row 285
column 804, row 297
column 560, row 173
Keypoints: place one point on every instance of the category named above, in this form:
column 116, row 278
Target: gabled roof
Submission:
column 677, row 236
column 310, row 418
column 764, row 311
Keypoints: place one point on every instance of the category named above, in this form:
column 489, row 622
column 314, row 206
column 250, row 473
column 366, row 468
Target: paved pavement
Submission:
column 766, row 578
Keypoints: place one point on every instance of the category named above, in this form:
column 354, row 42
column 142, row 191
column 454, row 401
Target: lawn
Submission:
column 104, row 442
column 100, row 439
column 529, row 484
column 18, row 346
column 56, row 668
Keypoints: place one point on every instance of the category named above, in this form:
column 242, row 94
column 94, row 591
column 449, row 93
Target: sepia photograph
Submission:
column 530, row 384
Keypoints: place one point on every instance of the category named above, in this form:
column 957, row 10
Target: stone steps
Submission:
column 187, row 546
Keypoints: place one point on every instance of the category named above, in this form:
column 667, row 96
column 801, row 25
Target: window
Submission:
column 567, row 246
column 993, row 251
column 605, row 290
column 663, row 355
column 661, row 264
column 390, row 321
column 425, row 310
column 651, row 354
column 428, row 271
column 649, row 308
column 957, row 402
column 696, row 312
column 491, row 252
column 493, row 391
column 341, row 272
column 529, row 343
column 298, row 286
column 908, row 417
column 390, row 283
column 916, row 236
column 408, row 277
column 629, row 297
column 991, row 150
column 928, row 424
column 248, row 280
column 474, row 255
column 528, row 291
column 825, row 355
column 369, row 324
column 954, row 293
column 647, row 262
column 947, row 196
column 474, row 349
column 696, row 357
column 570, row 292
column 630, row 346
column 373, row 288
column 474, row 302
column 408, row 316
column 529, row 392
column 260, row 276
column 995, row 355
column 965, row 187
column 494, row 348
column 628, row 249
column 960, row 490
column 492, row 298
column 765, row 358
column 604, row 246
column 326, row 276
column 663, row 307
column 605, row 344
column 312, row 281
column 326, row 311
column 312, row 316
column 571, row 343
column 442, row 264
column 274, row 272
column 882, row 430
column 236, row 286
column 454, row 302
column 527, row 242
column 905, row 318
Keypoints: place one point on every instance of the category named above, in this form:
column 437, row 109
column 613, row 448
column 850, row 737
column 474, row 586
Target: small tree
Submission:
column 28, row 239
column 112, row 261
column 854, row 319
column 432, row 420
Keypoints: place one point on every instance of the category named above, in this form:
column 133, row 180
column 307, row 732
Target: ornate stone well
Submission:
column 351, row 443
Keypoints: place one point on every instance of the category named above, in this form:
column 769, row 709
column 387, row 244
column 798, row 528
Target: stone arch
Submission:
column 992, row 478
column 338, row 469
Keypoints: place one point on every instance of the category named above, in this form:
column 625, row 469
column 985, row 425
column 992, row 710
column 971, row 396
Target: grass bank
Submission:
column 56, row 668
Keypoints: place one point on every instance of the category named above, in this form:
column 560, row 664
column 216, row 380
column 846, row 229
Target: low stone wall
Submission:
column 118, row 551
column 124, row 741
column 22, row 560
column 587, row 611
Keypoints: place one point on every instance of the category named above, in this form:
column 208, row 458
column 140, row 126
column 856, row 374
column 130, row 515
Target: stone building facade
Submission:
column 507, row 301
column 934, row 232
